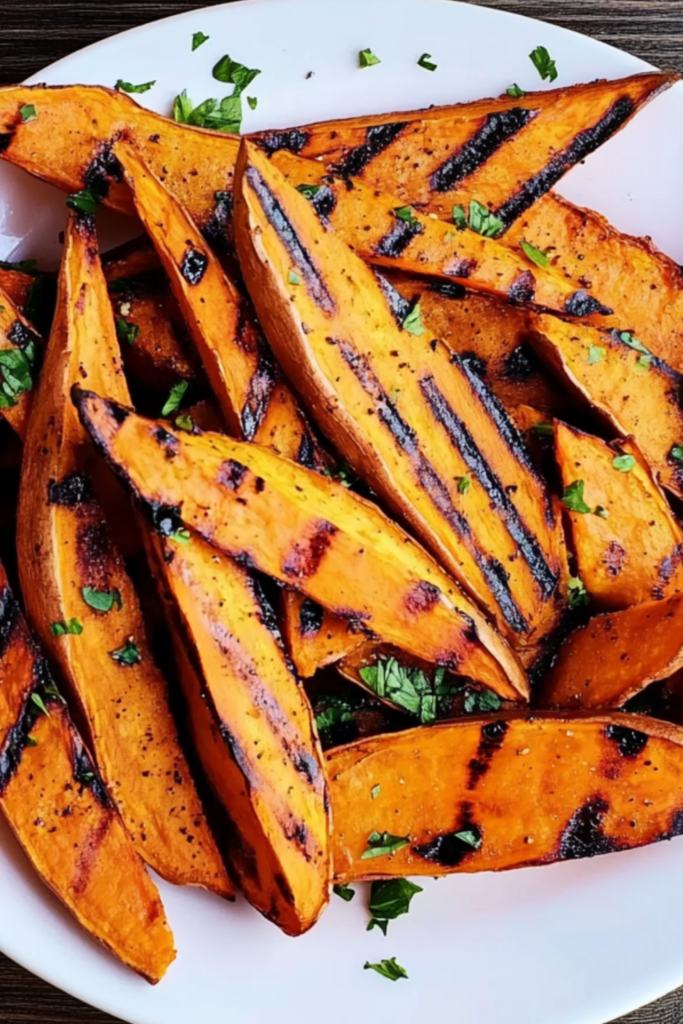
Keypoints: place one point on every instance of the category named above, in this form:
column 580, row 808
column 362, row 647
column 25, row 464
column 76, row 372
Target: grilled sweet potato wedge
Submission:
column 386, row 394
column 20, row 353
column 81, row 600
column 504, row 153
column 253, row 728
column 58, row 808
column 330, row 544
column 314, row 636
column 617, row 654
column 628, row 544
column 636, row 393
column 503, row 792
column 132, row 259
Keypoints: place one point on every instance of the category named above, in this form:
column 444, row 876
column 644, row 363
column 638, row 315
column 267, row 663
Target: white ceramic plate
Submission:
column 575, row 943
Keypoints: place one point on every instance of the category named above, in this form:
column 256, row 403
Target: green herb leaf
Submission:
column 601, row 511
column 345, row 892
column 366, row 58
column 536, row 256
column 30, row 742
column 459, row 218
column 624, row 463
column 122, row 86
column 23, row 266
column 472, row 839
column 643, row 364
column 408, row 687
column 181, row 537
column 221, row 116
column 175, row 397
column 126, row 332
column 426, row 62
column 198, row 39
column 233, row 73
column 630, row 339
column 515, row 91
column 412, row 323
column 596, row 353
column 293, row 277
column 40, row 703
column 387, row 968
column 253, row 102
column 308, row 191
column 334, row 716
column 464, row 484
column 102, row 600
column 185, row 422
column 129, row 654
column 676, row 453
column 17, row 367
column 381, row 844
column 390, row 899
column 406, row 213
column 578, row 595
column 83, row 201
column 543, row 63
column 73, row 627
column 375, row 791
column 544, row 429
column 479, row 701
column 573, row 498
column 483, row 221
column 28, row 113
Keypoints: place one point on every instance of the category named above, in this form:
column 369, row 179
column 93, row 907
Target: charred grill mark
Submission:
column 291, row 241
column 667, row 568
column 165, row 518
column 193, row 265
column 6, row 139
column 257, row 585
column 522, row 363
column 631, row 742
column 310, row 617
column 378, row 137
column 72, row 490
column 303, row 561
column 85, row 773
column 95, row 554
column 16, row 740
column 463, row 441
column 9, row 617
column 522, row 289
column 216, row 229
column 167, row 441
column 293, row 141
column 491, row 740
column 460, row 267
column 306, row 765
column 306, row 455
column 324, row 202
column 232, row 474
column 495, row 131
column 583, row 835
column 580, row 303
column 421, row 597
column 435, row 488
column 398, row 306
column 398, row 238
column 449, row 849
column 614, row 559
column 475, row 362
column 260, row 391
column 581, row 146
column 21, row 335
column 296, row 831
column 104, row 169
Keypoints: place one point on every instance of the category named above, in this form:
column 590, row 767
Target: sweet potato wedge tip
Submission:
column 615, row 655
column 331, row 545
column 503, row 792
column 627, row 542
column 81, row 600
column 386, row 395
column 57, row 806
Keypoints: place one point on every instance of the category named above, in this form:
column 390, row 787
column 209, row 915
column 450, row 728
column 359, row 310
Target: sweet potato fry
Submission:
column 330, row 544
column 503, row 792
column 81, row 600
column 58, row 808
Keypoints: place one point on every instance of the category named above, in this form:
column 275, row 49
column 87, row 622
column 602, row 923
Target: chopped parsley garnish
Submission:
column 181, row 537
column 387, row 968
column 40, row 703
column 122, row 86
column 23, row 266
column 73, row 627
column 220, row 115
column 381, row 844
column 345, row 892
column 293, row 277
column 175, row 397
column 408, row 687
column 676, row 453
column 515, row 91
column 543, row 63
column 469, row 837
column 333, row 722
column 459, row 218
column 231, row 72
column 185, row 422
column 102, row 600
column 643, row 364
column 129, row 654
column 544, row 429
column 426, row 62
column 126, row 332
column 632, row 342
column 537, row 256
column 17, row 367
column 406, row 213
column 478, row 701
column 342, row 473
column 366, row 58
column 412, row 323
column 596, row 353
column 31, row 742
column 83, row 202
column 601, row 511
column 624, row 463
column 253, row 102
column 573, row 498
column 198, row 39
column 308, row 191
column 375, row 791
column 464, row 484
column 578, row 595
column 483, row 221
column 28, row 113
column 390, row 899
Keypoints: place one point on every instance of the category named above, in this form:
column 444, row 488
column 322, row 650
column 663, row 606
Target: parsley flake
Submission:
column 220, row 115
column 624, row 463
column 382, row 844
column 387, row 968
column 601, row 511
column 293, row 277
column 375, row 791
column 479, row 701
column 17, row 368
column 464, row 484
column 185, row 422
column 459, row 218
column 253, row 102
column 595, row 354
column 573, row 498
column 128, row 654
column 578, row 595
column 175, row 397
column 469, row 837
column 537, row 256
column 345, row 892
column 28, row 113
column 122, row 86
column 412, row 322
column 83, row 202
column 676, row 453
column 31, row 742
column 181, row 537
column 40, row 703
column 630, row 339
column 543, row 63
column 390, row 899
column 333, row 722
column 308, row 191
column 408, row 687
column 515, row 91
column 24, row 266
column 406, row 213
column 126, row 332
column 483, row 221
column 643, row 364
column 544, row 429
column 102, row 600
column 73, row 627
column 366, row 58
column 198, row 39
column 231, row 72
column 426, row 62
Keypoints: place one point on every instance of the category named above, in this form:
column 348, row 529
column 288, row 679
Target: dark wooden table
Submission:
column 34, row 33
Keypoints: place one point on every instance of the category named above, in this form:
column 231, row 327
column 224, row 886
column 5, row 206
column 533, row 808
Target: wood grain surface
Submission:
column 33, row 33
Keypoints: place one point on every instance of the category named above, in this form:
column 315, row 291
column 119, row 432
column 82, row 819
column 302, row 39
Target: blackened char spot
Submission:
column 377, row 138
column 583, row 835
column 475, row 363
column 398, row 306
column 231, row 474
column 324, row 202
column 497, row 128
column 72, row 490
column 104, row 169
column 21, row 335
column 118, row 413
column 165, row 518
column 582, row 145
column 85, row 773
column 421, row 597
column 448, row 849
column 16, row 740
column 193, row 265
column 167, row 441
column 306, row 455
column 293, row 141
column 462, row 440
column 306, row 555
column 630, row 741
column 291, row 241
column 9, row 617
column 398, row 238
column 667, row 567
column 310, row 617
column 305, row 764
column 5, row 141
column 522, row 289
column 522, row 363
column 580, row 303
column 260, row 390
column 491, row 739
column 449, row 289
column 216, row 230
column 614, row 558
column 460, row 267
column 259, row 588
